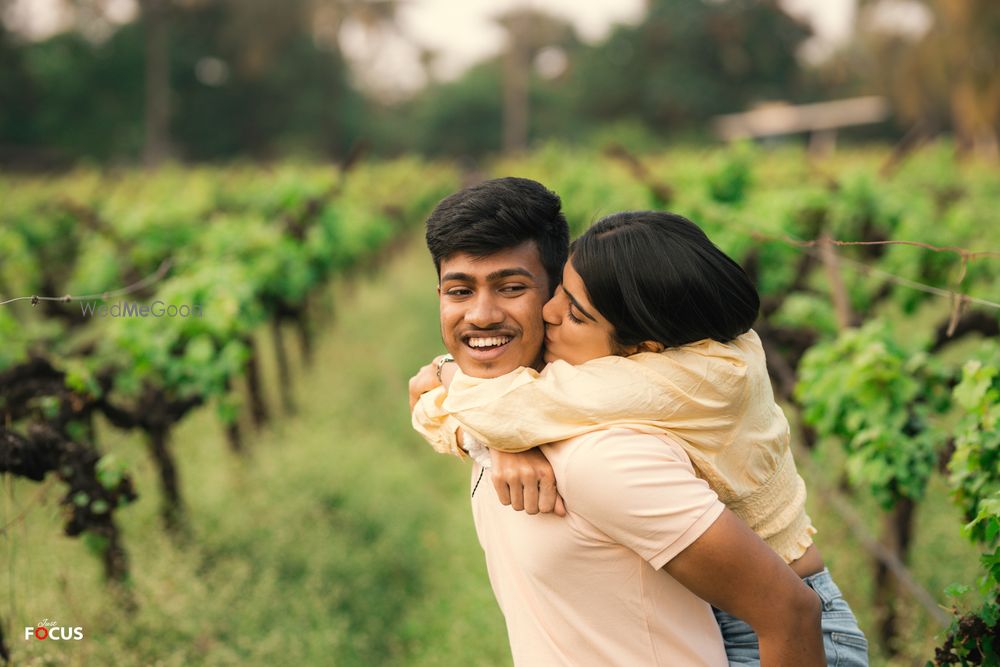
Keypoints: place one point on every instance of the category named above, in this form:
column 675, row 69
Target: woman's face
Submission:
column 574, row 331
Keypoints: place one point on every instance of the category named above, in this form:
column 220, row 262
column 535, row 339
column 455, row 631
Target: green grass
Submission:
column 340, row 539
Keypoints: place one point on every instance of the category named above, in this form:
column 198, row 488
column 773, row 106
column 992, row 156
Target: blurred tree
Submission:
column 461, row 118
column 428, row 60
column 250, row 77
column 82, row 99
column 90, row 18
column 688, row 60
column 286, row 57
column 465, row 118
column 16, row 91
column 946, row 76
column 55, row 94
column 155, row 18
column 528, row 32
column 263, row 78
column 241, row 77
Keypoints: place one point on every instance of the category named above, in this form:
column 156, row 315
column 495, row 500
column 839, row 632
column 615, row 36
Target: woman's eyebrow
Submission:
column 577, row 305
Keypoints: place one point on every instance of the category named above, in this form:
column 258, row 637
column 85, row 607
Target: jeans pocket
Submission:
column 845, row 643
column 851, row 649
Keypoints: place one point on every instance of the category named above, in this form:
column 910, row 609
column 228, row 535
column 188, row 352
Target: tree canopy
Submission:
column 221, row 79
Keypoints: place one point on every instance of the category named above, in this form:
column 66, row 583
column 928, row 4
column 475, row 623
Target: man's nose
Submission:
column 484, row 311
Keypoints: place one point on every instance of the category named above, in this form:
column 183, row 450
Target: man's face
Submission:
column 491, row 309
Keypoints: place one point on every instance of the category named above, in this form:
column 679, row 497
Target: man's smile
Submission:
column 486, row 346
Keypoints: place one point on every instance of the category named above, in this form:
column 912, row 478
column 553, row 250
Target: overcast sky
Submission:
column 463, row 33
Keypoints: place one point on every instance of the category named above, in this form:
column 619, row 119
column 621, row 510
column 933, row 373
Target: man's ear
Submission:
column 438, row 289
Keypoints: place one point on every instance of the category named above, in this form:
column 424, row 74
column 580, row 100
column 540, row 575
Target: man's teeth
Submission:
column 489, row 342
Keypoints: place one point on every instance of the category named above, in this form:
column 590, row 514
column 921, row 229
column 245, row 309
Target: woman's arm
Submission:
column 428, row 418
column 524, row 408
column 424, row 381
column 524, row 481
column 437, row 427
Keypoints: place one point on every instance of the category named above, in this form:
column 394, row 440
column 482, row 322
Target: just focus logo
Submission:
column 47, row 629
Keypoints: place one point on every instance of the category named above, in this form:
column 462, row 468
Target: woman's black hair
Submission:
column 657, row 277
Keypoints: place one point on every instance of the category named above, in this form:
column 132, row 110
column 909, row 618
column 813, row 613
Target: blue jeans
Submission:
column 843, row 640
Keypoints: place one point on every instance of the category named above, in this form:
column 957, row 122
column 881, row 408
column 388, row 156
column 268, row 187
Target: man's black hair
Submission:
column 656, row 277
column 499, row 214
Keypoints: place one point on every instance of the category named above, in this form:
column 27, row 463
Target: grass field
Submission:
column 340, row 539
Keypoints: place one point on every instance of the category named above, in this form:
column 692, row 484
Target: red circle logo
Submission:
column 41, row 633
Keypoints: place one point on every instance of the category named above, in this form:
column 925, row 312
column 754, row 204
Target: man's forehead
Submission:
column 522, row 258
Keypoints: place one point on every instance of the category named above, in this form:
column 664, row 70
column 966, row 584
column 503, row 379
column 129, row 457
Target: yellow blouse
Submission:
column 716, row 397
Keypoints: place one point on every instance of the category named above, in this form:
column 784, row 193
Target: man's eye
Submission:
column 513, row 289
column 458, row 291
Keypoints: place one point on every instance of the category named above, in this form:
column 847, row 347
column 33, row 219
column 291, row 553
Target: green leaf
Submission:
column 991, row 614
column 110, row 471
column 956, row 590
column 96, row 544
column 976, row 380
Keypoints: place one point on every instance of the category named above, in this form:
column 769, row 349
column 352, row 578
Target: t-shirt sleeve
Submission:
column 524, row 408
column 640, row 490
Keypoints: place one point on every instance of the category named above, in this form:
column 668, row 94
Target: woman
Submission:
column 650, row 330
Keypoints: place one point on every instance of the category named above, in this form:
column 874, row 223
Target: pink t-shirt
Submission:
column 587, row 589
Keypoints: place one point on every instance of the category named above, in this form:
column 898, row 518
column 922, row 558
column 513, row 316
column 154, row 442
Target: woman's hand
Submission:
column 425, row 380
column 445, row 371
column 525, row 481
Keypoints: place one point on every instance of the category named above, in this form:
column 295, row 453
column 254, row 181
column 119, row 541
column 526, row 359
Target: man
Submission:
column 626, row 576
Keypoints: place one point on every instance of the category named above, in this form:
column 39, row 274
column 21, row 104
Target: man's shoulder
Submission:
column 624, row 482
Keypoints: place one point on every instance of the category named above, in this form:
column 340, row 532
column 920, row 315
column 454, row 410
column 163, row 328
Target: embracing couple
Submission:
column 633, row 488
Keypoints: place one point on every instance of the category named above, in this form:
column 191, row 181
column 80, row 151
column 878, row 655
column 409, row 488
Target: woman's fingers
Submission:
column 525, row 481
column 530, row 494
column 503, row 491
column 516, row 495
column 560, row 509
column 422, row 382
column 547, row 495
